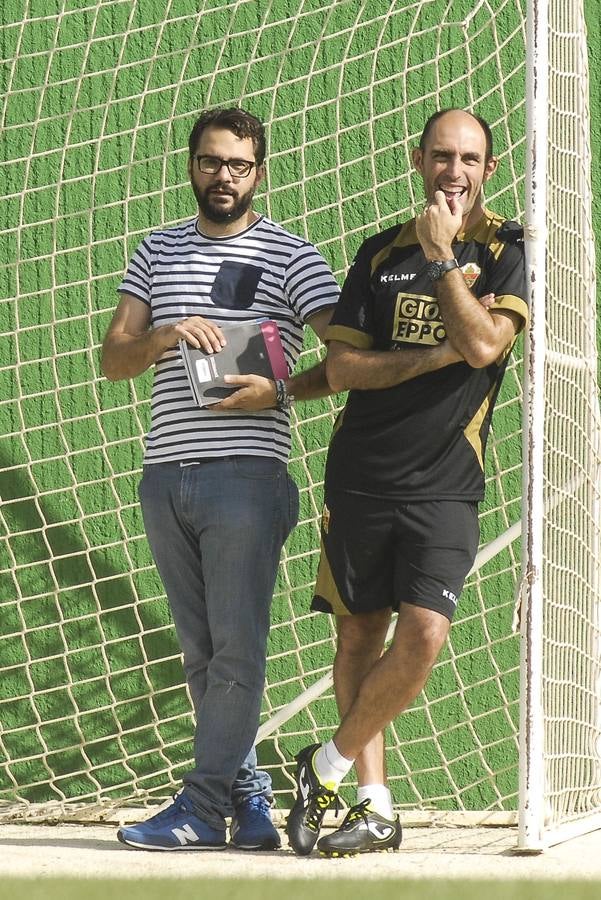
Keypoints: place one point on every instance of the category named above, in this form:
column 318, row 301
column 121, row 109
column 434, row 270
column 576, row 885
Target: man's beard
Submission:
column 218, row 215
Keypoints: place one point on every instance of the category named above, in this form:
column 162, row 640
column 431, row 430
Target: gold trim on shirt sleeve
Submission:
column 516, row 304
column 357, row 339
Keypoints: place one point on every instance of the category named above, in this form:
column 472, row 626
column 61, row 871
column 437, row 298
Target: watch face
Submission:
column 434, row 270
column 437, row 268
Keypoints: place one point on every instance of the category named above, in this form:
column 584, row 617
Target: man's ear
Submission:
column 417, row 158
column 260, row 174
column 490, row 168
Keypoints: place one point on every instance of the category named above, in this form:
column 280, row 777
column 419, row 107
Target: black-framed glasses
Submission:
column 238, row 168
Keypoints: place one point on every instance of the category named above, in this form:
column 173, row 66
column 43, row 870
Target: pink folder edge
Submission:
column 275, row 351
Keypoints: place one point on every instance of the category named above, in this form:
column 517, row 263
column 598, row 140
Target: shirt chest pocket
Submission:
column 235, row 285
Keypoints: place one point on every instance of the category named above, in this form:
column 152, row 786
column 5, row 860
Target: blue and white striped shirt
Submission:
column 261, row 272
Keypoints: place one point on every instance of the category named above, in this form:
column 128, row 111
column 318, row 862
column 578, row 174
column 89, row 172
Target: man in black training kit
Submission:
column 423, row 358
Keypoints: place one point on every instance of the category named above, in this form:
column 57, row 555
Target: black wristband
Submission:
column 282, row 398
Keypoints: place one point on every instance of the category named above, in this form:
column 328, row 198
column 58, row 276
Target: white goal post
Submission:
column 96, row 108
column 560, row 721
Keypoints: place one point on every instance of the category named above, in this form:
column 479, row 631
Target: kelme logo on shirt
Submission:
column 387, row 278
column 471, row 273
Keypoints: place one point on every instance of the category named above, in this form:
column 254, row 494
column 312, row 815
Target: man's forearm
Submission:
column 349, row 368
column 127, row 355
column 310, row 383
column 469, row 325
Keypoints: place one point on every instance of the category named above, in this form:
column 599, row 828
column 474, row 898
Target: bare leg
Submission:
column 393, row 681
column 360, row 645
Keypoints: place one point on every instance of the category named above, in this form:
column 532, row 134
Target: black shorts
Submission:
column 378, row 553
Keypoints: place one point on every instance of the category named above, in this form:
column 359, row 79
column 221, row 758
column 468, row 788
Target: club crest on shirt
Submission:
column 325, row 519
column 471, row 272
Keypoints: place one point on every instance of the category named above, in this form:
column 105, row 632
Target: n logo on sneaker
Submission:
column 185, row 835
column 380, row 831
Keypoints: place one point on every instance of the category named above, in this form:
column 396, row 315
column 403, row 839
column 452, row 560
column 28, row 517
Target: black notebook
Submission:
column 252, row 348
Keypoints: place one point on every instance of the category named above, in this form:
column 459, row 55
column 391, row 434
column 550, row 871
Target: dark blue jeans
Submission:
column 216, row 530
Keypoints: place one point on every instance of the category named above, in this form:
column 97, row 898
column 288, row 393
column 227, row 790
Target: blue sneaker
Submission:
column 175, row 828
column 252, row 828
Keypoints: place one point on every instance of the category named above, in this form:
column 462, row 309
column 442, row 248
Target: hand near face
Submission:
column 454, row 159
column 438, row 225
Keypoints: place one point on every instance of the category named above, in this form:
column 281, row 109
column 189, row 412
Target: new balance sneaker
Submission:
column 175, row 828
column 363, row 831
column 251, row 827
column 312, row 801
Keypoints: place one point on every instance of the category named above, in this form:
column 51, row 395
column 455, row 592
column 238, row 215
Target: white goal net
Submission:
column 560, row 726
column 97, row 102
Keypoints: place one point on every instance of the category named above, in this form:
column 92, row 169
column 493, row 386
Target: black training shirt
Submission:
column 425, row 438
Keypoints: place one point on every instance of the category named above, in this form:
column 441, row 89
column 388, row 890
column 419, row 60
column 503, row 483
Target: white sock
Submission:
column 330, row 766
column 379, row 798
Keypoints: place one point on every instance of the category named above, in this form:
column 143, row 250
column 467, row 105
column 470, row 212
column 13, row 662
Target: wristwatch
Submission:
column 437, row 268
column 283, row 399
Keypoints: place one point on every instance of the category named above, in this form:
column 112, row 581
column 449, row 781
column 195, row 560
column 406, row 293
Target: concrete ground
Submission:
column 427, row 852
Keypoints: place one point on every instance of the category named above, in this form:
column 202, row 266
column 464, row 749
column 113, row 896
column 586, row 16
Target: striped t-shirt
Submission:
column 261, row 272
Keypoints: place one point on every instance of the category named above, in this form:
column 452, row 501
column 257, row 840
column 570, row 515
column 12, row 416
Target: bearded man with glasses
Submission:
column 216, row 496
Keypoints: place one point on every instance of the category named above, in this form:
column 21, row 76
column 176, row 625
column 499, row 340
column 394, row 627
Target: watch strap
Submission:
column 448, row 264
column 283, row 399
